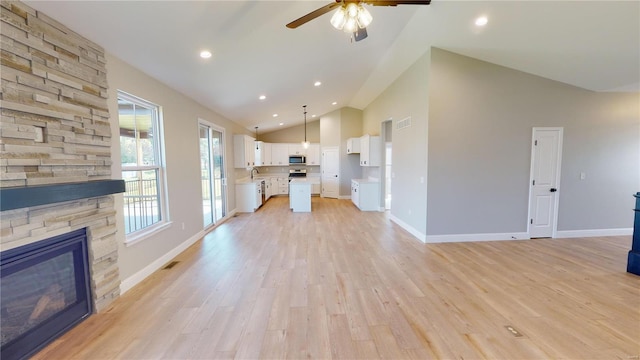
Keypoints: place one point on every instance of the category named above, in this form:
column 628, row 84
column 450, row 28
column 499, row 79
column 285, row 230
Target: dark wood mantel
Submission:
column 27, row 196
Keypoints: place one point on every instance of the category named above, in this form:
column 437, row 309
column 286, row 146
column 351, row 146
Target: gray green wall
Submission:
column 292, row 134
column 406, row 97
column 480, row 126
column 180, row 116
column 335, row 128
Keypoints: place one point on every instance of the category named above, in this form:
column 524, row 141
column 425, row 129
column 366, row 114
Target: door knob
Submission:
column 553, row 190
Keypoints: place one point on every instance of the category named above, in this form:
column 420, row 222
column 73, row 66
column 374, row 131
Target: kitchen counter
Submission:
column 248, row 181
column 366, row 181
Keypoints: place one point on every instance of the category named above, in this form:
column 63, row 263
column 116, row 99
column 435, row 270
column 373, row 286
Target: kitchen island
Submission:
column 300, row 195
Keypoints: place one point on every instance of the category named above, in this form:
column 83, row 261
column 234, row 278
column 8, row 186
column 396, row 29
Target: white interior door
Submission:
column 330, row 172
column 546, row 154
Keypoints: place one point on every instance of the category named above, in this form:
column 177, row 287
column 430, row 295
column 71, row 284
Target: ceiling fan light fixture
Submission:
column 339, row 18
column 364, row 17
column 352, row 9
column 349, row 17
column 351, row 25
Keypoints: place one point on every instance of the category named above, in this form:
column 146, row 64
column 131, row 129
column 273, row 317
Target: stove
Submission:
column 297, row 173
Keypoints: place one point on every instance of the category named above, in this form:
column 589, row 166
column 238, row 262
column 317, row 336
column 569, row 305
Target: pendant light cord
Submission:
column 305, row 122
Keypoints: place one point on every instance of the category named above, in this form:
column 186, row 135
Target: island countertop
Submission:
column 302, row 181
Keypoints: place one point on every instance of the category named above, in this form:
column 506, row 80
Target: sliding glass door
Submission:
column 212, row 174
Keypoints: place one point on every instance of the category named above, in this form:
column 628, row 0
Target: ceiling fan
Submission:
column 351, row 16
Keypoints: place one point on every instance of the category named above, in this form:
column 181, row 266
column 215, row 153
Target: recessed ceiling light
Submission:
column 262, row 97
column 205, row 54
column 334, row 103
column 275, row 115
column 281, row 124
column 314, row 115
column 482, row 21
column 317, row 83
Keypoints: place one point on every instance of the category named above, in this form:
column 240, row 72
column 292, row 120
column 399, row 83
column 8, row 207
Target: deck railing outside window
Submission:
column 141, row 200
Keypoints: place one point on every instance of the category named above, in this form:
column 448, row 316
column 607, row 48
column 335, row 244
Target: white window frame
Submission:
column 164, row 221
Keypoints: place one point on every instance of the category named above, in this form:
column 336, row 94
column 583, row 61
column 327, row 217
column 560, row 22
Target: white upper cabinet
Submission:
column 370, row 150
column 313, row 155
column 243, row 151
column 353, row 146
column 271, row 154
column 279, row 154
column 297, row 149
column 263, row 153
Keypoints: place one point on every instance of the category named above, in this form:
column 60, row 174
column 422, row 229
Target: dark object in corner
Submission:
column 633, row 261
column 27, row 196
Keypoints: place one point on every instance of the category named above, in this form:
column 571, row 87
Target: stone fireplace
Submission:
column 55, row 167
column 55, row 139
column 45, row 291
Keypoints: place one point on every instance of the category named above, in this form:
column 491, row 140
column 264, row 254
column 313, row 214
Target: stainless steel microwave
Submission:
column 297, row 160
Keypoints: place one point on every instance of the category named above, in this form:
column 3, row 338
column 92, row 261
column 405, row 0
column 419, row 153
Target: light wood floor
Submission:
column 341, row 284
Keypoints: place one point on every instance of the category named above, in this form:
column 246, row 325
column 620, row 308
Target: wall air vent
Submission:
column 404, row 123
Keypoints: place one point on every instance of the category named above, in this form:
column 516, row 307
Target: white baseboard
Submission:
column 420, row 236
column 524, row 235
column 594, row 232
column 136, row 278
column 476, row 237
column 344, row 197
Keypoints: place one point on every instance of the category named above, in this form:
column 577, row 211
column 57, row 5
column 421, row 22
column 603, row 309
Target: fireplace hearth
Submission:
column 45, row 290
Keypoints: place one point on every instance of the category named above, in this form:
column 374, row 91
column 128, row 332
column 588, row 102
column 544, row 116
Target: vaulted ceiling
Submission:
column 594, row 45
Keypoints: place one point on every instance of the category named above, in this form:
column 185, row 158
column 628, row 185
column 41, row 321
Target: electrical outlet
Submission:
column 583, row 176
column 182, row 226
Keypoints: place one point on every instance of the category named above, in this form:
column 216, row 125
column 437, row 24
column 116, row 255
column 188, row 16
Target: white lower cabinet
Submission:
column 268, row 192
column 283, row 185
column 315, row 185
column 248, row 196
column 273, row 186
column 300, row 196
column 365, row 194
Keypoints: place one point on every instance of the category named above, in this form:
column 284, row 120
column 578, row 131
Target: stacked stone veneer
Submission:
column 55, row 129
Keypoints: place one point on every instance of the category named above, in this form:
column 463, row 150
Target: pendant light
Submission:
column 257, row 147
column 305, row 143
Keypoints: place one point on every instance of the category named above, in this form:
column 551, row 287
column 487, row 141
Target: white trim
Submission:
column 411, row 230
column 594, row 232
column 146, row 233
column 138, row 277
column 344, row 197
column 225, row 191
column 476, row 237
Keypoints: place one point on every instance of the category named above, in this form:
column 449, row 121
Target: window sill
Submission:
column 140, row 236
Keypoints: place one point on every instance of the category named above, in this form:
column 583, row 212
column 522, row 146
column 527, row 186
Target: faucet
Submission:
column 257, row 172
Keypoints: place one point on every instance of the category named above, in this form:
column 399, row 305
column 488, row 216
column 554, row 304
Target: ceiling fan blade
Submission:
column 395, row 3
column 312, row 15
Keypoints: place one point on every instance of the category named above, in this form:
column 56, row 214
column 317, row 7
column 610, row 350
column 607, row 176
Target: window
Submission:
column 142, row 169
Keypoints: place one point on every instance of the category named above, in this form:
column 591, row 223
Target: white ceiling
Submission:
column 590, row 44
